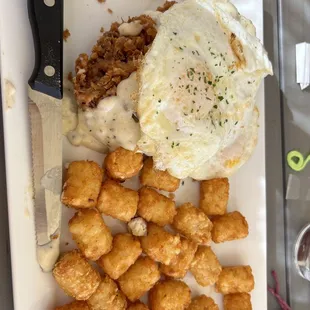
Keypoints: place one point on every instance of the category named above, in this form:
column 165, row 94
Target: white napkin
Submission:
column 303, row 64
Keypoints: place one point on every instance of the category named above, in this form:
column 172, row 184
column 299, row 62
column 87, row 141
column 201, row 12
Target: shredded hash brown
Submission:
column 112, row 60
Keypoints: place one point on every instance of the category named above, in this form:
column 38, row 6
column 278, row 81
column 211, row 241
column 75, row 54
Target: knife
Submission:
column 45, row 94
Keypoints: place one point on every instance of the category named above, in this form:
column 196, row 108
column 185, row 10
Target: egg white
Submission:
column 197, row 88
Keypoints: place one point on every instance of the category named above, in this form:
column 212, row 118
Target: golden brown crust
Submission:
column 214, row 196
column 237, row 49
column 107, row 296
column 203, row 302
column 82, row 185
column 179, row 267
column 238, row 279
column 157, row 178
column 205, row 266
column 166, row 6
column 240, row 301
column 123, row 164
column 138, row 306
column 160, row 245
column 112, row 60
column 139, row 278
column 75, row 305
column 228, row 227
column 89, row 231
column 193, row 223
column 170, row 294
column 125, row 251
column 76, row 276
column 118, row 201
column 66, row 34
column 155, row 207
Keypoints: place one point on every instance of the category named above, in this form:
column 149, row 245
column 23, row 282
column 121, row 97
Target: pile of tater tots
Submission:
column 150, row 258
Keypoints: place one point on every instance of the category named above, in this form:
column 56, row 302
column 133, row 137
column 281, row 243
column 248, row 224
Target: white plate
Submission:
column 34, row 290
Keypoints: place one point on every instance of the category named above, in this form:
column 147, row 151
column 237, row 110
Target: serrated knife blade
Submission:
column 45, row 93
column 37, row 173
column 46, row 140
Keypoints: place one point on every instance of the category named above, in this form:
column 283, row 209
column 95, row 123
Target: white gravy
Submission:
column 130, row 29
column 106, row 127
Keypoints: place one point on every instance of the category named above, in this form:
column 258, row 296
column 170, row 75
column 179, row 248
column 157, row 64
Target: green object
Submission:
column 296, row 160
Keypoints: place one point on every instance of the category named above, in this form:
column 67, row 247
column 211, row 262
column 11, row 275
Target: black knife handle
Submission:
column 47, row 28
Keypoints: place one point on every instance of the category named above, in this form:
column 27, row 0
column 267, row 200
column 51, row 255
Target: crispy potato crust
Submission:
column 126, row 250
column 139, row 278
column 203, row 302
column 238, row 279
column 166, row 6
column 138, row 306
column 75, row 305
column 214, row 196
column 118, row 201
column 90, row 233
column 123, row 164
column 156, row 208
column 82, row 185
column 76, row 276
column 241, row 301
column 179, row 267
column 107, row 296
column 158, row 179
column 170, row 294
column 160, row 245
column 193, row 223
column 228, row 227
column 113, row 59
column 205, row 266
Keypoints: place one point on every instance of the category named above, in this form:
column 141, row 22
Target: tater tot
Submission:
column 125, row 251
column 214, row 196
column 89, row 231
column 203, row 302
column 241, row 301
column 107, row 296
column 139, row 278
column 155, row 207
column 157, row 178
column 118, row 201
column 179, row 267
column 205, row 266
column 76, row 276
column 228, row 227
column 82, row 185
column 123, row 164
column 75, row 305
column 160, row 245
column 238, row 279
column 193, row 223
column 170, row 294
column 138, row 306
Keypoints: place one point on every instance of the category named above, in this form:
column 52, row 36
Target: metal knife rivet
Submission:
column 49, row 71
column 49, row 2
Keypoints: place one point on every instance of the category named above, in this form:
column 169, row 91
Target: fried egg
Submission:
column 197, row 89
